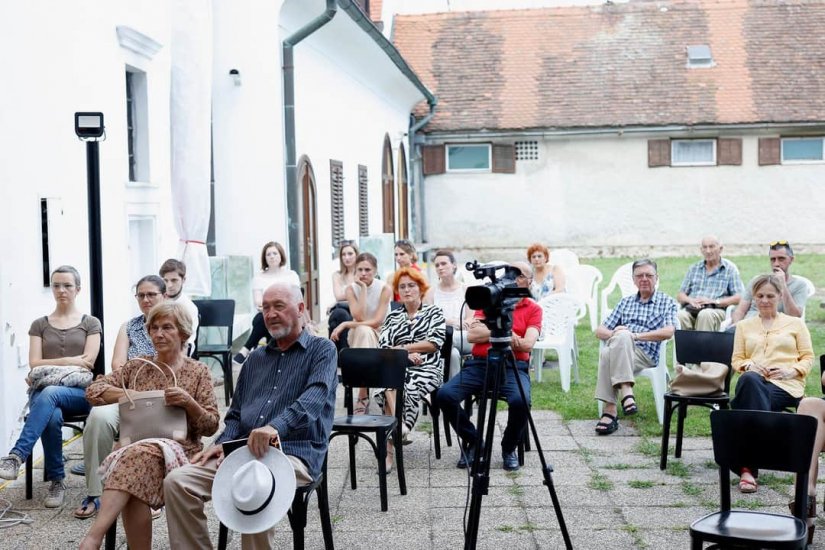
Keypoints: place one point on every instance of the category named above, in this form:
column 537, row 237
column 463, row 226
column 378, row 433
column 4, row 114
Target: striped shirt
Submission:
column 719, row 283
column 292, row 391
column 639, row 316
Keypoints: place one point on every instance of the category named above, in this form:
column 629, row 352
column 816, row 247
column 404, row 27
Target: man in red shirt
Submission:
column 470, row 381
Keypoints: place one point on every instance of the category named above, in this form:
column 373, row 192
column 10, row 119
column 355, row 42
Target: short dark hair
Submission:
column 281, row 251
column 367, row 257
column 445, row 252
column 643, row 262
column 155, row 280
column 172, row 265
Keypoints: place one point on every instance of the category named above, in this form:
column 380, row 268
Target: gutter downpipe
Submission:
column 418, row 214
column 290, row 161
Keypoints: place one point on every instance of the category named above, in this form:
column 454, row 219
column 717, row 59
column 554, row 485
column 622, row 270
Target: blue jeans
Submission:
column 470, row 381
column 45, row 421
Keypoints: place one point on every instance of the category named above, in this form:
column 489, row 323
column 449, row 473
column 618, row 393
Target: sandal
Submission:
column 607, row 428
column 631, row 408
column 362, row 405
column 88, row 508
column 747, row 485
column 156, row 513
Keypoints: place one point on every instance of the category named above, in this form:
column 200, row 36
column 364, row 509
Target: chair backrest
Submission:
column 558, row 314
column 446, row 352
column 583, row 282
column 697, row 346
column 373, row 368
column 762, row 439
column 621, row 279
column 565, row 258
column 811, row 291
column 216, row 313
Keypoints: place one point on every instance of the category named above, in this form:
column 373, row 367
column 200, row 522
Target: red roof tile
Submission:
column 620, row 64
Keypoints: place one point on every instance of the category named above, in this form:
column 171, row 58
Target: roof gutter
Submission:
column 616, row 131
column 293, row 207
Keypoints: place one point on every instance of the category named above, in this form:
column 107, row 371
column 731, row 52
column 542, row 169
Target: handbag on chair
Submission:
column 144, row 414
column 705, row 380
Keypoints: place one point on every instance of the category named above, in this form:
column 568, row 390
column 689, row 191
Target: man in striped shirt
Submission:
column 285, row 396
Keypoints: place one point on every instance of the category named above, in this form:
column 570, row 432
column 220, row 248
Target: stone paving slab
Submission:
column 612, row 495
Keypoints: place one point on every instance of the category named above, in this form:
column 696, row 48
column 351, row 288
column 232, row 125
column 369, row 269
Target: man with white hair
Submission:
column 710, row 286
column 285, row 396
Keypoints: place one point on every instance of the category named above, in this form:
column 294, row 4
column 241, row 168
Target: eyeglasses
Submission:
column 63, row 286
column 144, row 295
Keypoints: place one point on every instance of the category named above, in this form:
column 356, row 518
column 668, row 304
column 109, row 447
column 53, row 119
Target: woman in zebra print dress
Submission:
column 418, row 328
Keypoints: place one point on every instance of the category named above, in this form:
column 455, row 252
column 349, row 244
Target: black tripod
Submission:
column 499, row 357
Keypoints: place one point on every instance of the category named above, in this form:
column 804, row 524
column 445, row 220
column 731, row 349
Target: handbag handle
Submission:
column 134, row 377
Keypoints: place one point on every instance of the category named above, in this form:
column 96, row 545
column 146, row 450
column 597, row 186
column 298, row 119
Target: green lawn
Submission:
column 579, row 403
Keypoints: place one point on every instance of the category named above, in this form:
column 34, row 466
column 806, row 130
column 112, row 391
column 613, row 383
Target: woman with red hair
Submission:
column 547, row 278
column 418, row 328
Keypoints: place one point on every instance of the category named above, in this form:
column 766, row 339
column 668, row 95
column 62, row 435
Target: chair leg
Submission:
column 680, row 428
column 353, row 483
column 323, row 509
column 447, row 437
column 399, row 461
column 565, row 368
column 29, row 476
column 436, row 435
column 223, row 534
column 111, row 537
column 226, row 366
column 381, row 441
column 666, row 433
column 298, row 519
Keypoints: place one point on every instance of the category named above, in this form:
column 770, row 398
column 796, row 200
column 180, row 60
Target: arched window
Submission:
column 388, row 187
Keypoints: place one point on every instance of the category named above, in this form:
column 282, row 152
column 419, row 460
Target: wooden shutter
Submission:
column 729, row 151
column 363, row 196
column 769, row 151
column 658, row 152
column 433, row 160
column 504, row 159
column 336, row 185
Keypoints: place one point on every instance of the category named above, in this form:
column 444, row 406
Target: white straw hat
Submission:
column 251, row 495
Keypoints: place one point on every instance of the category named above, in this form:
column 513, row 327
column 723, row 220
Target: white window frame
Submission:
column 800, row 161
column 470, row 170
column 674, row 162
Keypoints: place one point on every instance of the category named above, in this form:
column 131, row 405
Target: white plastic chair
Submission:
column 811, row 291
column 557, row 331
column 565, row 258
column 621, row 279
column 583, row 283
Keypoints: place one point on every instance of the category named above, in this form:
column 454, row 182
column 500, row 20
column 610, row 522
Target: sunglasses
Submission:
column 775, row 245
column 779, row 243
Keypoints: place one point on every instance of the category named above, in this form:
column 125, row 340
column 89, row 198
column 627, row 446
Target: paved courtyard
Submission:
column 612, row 494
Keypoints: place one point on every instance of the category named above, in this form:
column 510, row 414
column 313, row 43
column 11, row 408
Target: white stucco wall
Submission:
column 348, row 96
column 61, row 58
column 599, row 193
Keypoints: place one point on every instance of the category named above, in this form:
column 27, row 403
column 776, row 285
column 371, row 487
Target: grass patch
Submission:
column 425, row 426
column 337, row 518
column 710, row 504
column 638, row 541
column 648, row 447
column 506, row 528
column 516, row 490
column 777, row 482
column 578, row 403
column 587, row 454
column 512, row 475
column 691, row 489
column 640, row 484
column 599, row 482
column 711, row 465
column 747, row 504
column 528, row 527
column 678, row 468
column 679, row 504
column 622, row 466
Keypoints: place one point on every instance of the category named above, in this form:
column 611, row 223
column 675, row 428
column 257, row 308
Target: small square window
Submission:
column 469, row 158
column 693, row 152
column 802, row 150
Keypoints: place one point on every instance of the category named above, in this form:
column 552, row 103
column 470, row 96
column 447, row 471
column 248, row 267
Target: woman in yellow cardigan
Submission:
column 773, row 352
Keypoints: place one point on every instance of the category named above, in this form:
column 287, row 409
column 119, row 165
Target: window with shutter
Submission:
column 504, row 159
column 658, row 152
column 469, row 157
column 363, row 205
column 433, row 160
column 693, row 152
column 769, row 151
column 336, row 185
column 729, row 151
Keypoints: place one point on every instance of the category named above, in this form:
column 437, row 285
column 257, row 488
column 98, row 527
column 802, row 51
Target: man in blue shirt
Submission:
column 632, row 334
column 285, row 396
column 710, row 286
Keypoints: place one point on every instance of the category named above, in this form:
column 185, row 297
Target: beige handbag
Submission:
column 144, row 414
column 706, row 380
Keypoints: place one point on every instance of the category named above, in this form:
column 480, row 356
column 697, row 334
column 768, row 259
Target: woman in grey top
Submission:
column 66, row 337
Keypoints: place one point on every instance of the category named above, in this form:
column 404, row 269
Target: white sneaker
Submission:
column 57, row 492
column 10, row 467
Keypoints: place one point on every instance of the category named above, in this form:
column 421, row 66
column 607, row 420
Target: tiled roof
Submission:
column 620, row 64
column 375, row 10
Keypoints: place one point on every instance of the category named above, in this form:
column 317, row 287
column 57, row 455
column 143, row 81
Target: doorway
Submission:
column 308, row 247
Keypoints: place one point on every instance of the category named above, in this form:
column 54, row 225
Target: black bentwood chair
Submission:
column 374, row 368
column 694, row 347
column 435, row 413
column 297, row 514
column 764, row 440
column 219, row 314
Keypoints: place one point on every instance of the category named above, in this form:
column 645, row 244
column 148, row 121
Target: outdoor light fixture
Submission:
column 236, row 76
column 89, row 125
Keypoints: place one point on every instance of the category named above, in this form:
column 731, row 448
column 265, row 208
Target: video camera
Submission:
column 502, row 290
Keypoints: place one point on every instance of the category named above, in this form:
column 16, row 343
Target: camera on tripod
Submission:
column 502, row 290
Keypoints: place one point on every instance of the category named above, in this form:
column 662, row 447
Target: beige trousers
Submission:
column 98, row 438
column 709, row 319
column 363, row 336
column 619, row 360
column 185, row 491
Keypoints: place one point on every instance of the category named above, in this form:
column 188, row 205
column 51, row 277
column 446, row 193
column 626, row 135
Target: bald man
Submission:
column 470, row 380
column 710, row 286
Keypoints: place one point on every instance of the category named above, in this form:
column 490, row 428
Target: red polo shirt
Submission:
column 527, row 314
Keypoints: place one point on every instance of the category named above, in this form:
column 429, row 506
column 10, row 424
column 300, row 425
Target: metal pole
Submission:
column 95, row 242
